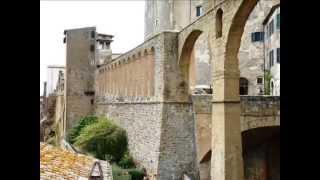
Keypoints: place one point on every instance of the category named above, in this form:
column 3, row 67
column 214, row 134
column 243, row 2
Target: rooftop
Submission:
column 56, row 163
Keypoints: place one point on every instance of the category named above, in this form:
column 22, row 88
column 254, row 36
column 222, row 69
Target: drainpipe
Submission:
column 264, row 63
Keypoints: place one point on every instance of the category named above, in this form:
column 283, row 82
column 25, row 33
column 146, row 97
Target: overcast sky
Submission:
column 123, row 19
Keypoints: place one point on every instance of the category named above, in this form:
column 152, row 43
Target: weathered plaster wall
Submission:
column 79, row 85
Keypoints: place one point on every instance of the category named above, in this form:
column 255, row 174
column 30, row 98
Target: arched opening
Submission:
column 243, row 86
column 187, row 61
column 261, row 153
column 219, row 23
column 271, row 88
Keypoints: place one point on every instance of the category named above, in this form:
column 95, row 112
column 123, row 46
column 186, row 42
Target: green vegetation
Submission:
column 107, row 141
column 267, row 77
column 103, row 139
column 127, row 174
column 75, row 131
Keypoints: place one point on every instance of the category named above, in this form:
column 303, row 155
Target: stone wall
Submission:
column 256, row 111
column 133, row 76
column 177, row 149
column 259, row 111
column 142, row 121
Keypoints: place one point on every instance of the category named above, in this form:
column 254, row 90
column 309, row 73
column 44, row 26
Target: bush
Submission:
column 126, row 161
column 119, row 173
column 136, row 174
column 75, row 131
column 103, row 139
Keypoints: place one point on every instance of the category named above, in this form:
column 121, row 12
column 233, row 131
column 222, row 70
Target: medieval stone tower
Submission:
column 80, row 67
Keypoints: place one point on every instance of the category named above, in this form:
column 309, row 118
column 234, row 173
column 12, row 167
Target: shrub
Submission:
column 126, row 161
column 103, row 139
column 75, row 131
column 136, row 174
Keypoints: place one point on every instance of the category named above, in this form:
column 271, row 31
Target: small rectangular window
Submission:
column 257, row 36
column 278, row 21
column 199, row 11
column 259, row 80
column 278, row 55
column 93, row 34
column 271, row 58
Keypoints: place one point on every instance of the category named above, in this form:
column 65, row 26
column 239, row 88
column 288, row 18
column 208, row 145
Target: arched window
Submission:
column 243, row 86
column 219, row 23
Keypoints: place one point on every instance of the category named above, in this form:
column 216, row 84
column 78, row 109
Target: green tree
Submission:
column 103, row 139
column 83, row 122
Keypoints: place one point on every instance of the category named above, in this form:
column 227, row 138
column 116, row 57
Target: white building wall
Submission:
column 272, row 43
column 52, row 77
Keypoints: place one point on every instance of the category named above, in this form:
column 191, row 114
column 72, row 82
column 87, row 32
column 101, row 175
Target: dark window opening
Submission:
column 259, row 80
column 64, row 40
column 199, row 11
column 243, row 86
column 257, row 36
column 219, row 23
column 93, row 34
column 91, row 47
column 278, row 55
column 271, row 58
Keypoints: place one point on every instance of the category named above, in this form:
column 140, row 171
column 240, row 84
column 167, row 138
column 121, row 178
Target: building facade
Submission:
column 176, row 15
column 272, row 49
column 52, row 77
column 171, row 131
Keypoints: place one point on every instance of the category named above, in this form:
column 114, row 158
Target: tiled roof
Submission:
column 58, row 164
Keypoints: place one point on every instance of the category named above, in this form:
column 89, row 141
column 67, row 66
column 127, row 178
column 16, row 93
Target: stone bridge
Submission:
column 146, row 91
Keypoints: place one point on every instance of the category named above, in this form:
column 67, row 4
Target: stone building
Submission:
column 272, row 49
column 52, row 77
column 149, row 91
column 175, row 15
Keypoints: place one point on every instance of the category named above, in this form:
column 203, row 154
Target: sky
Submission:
column 123, row 19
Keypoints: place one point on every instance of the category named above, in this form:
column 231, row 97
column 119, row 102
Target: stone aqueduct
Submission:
column 147, row 90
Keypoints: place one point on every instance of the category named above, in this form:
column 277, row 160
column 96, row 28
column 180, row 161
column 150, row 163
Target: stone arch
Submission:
column 261, row 152
column 186, row 58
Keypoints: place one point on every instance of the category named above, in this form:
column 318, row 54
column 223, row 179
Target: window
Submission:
column 199, row 11
column 93, row 33
column 271, row 58
column 271, row 28
column 243, row 86
column 278, row 21
column 91, row 47
column 278, row 55
column 271, row 88
column 219, row 23
column 257, row 36
column 259, row 80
